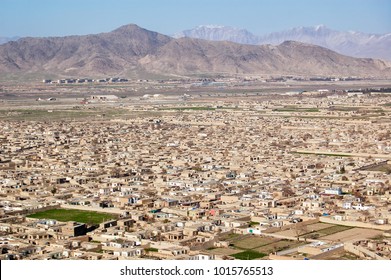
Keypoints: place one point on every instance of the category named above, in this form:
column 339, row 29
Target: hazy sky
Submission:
column 66, row 17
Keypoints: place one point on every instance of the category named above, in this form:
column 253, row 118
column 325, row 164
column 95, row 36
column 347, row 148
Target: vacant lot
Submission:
column 65, row 215
column 251, row 242
column 318, row 226
column 265, row 245
column 254, row 247
column 352, row 234
column 382, row 168
column 343, row 256
column 332, row 229
column 279, row 246
column 313, row 231
column 225, row 251
column 292, row 232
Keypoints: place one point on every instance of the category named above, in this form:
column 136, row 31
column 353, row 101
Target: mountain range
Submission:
column 132, row 51
column 350, row 43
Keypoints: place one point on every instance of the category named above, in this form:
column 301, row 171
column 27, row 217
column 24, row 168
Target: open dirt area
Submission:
column 254, row 242
column 279, row 246
column 352, row 234
column 291, row 232
column 225, row 251
column 312, row 231
column 318, row 226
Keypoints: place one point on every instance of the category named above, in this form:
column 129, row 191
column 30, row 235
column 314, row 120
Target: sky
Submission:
column 42, row 18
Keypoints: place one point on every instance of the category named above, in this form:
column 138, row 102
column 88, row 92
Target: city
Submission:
column 201, row 173
column 186, row 139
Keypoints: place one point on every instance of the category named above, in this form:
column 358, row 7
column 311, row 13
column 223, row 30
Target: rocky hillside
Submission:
column 131, row 49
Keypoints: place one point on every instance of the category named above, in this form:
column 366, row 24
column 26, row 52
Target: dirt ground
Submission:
column 307, row 229
column 318, row 226
column 225, row 251
column 254, row 241
column 352, row 234
column 291, row 232
column 279, row 246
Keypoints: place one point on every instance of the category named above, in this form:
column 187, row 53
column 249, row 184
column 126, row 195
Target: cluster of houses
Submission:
column 84, row 80
column 178, row 184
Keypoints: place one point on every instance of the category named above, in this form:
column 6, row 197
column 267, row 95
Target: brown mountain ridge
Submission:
column 131, row 49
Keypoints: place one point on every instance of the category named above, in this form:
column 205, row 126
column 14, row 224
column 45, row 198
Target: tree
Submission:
column 300, row 229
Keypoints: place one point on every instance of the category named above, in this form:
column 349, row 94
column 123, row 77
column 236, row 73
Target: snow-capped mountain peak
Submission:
column 219, row 33
column 351, row 43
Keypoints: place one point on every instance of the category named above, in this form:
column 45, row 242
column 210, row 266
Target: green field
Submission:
column 151, row 249
column 248, row 255
column 65, row 215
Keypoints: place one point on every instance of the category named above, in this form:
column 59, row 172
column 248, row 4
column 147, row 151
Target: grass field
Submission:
column 248, row 255
column 65, row 215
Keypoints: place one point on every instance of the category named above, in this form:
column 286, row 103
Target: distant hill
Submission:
column 133, row 50
column 220, row 33
column 104, row 53
column 194, row 55
column 350, row 43
column 4, row 40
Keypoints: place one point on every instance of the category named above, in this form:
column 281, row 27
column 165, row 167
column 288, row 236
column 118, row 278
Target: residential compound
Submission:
column 273, row 178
